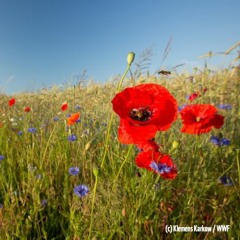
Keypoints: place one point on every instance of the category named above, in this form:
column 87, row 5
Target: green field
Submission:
column 124, row 202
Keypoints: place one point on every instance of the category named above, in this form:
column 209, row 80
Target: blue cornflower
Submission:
column 1, row 205
column 226, row 181
column 77, row 107
column 55, row 119
column 79, row 120
column 81, row 190
column 160, row 168
column 219, row 141
column 180, row 108
column 1, row 157
column 38, row 176
column 20, row 133
column 72, row 138
column 73, row 170
column 225, row 106
column 44, row 202
column 32, row 130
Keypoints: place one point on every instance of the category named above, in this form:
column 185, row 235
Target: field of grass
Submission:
column 124, row 202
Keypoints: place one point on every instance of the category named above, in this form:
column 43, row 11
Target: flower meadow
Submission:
column 122, row 160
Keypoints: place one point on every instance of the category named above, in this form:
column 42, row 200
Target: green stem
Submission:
column 129, row 150
column 48, row 143
column 105, row 151
column 238, row 166
column 111, row 118
column 93, row 201
column 124, row 75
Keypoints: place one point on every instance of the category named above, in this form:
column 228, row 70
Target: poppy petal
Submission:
column 145, row 160
column 129, row 133
column 73, row 118
column 144, row 110
column 64, row 107
column 200, row 118
column 11, row 102
column 148, row 145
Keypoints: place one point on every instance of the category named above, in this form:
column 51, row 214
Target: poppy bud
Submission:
column 130, row 58
column 27, row 109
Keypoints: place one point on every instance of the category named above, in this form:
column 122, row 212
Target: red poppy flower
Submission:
column 11, row 102
column 193, row 96
column 197, row 94
column 144, row 110
column 73, row 118
column 148, row 145
column 27, row 109
column 200, row 118
column 204, row 90
column 157, row 162
column 64, row 106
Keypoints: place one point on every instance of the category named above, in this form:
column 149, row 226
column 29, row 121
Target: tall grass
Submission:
column 36, row 190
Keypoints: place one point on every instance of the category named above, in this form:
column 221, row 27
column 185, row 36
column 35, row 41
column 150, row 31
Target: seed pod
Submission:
column 130, row 58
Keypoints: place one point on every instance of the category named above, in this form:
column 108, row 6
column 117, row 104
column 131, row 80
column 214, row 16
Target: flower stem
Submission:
column 124, row 75
column 106, row 144
column 111, row 117
column 92, row 208
column 120, row 169
column 238, row 165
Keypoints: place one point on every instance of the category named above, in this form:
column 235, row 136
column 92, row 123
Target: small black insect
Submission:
column 169, row 71
column 165, row 73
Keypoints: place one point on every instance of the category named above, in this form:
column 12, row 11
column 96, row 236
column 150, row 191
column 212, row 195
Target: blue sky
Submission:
column 47, row 42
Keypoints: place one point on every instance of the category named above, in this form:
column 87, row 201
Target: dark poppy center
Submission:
column 140, row 114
